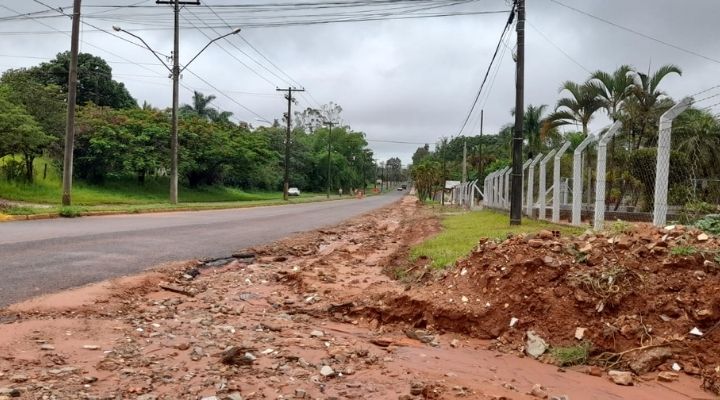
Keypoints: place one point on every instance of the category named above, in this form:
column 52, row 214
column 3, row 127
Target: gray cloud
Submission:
column 406, row 80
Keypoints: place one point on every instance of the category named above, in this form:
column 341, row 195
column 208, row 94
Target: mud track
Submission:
column 314, row 316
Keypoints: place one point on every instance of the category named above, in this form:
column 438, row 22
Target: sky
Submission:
column 402, row 80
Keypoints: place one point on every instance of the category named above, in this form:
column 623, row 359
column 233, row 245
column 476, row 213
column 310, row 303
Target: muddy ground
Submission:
column 318, row 316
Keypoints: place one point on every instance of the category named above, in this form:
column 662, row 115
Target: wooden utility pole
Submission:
column 288, row 96
column 72, row 95
column 517, row 162
column 176, row 95
column 330, row 124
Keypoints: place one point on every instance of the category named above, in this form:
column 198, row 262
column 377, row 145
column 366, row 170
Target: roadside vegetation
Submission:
column 121, row 155
column 462, row 230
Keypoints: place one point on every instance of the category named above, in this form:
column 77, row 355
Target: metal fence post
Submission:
column 542, row 190
column 662, row 168
column 600, row 172
column 556, row 181
column 577, row 179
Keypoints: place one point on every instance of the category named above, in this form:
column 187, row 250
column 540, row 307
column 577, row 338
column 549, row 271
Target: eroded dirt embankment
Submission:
column 313, row 316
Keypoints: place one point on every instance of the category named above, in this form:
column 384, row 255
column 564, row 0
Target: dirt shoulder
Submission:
column 296, row 319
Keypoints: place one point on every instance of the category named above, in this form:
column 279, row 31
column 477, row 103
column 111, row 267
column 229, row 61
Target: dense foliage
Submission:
column 117, row 140
column 630, row 96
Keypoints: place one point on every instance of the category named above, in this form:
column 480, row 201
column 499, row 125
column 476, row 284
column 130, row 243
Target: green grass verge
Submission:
column 573, row 355
column 461, row 232
column 129, row 196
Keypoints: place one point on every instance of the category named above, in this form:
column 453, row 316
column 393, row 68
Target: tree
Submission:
column 579, row 107
column 45, row 103
column 394, row 169
column 427, row 176
column 613, row 88
column 647, row 103
column 201, row 108
column 20, row 133
column 95, row 83
column 420, row 154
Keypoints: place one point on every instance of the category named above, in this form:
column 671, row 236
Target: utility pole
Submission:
column 288, row 96
column 330, row 124
column 480, row 162
column 516, row 189
column 464, row 168
column 72, row 95
column 176, row 94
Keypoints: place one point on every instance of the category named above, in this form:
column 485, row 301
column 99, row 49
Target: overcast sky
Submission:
column 409, row 80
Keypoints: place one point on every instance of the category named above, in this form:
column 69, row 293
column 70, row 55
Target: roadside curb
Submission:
column 31, row 217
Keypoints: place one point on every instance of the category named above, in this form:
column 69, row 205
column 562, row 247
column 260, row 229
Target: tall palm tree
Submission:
column 579, row 107
column 648, row 101
column 613, row 89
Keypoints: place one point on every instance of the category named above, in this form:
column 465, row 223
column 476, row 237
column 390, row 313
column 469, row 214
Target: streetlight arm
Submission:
column 118, row 29
column 208, row 45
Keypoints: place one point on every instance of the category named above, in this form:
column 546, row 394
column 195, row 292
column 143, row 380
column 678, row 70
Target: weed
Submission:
column 710, row 223
column 69, row 212
column 573, row 355
column 620, row 227
column 683, row 251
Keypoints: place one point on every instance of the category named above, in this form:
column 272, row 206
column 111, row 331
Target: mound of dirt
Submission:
column 642, row 298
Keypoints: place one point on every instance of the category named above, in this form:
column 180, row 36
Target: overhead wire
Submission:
column 557, row 47
column 487, row 72
column 633, row 31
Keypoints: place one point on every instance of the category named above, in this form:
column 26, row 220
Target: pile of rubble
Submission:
column 638, row 299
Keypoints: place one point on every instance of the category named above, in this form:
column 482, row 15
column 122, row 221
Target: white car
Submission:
column 293, row 191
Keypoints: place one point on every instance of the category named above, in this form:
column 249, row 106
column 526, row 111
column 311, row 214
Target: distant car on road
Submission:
column 293, row 191
column 400, row 189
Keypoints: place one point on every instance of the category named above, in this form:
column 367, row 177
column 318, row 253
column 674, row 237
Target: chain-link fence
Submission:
column 662, row 175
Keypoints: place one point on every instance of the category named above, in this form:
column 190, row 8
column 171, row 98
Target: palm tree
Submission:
column 201, row 108
column 647, row 101
column 613, row 89
column 578, row 108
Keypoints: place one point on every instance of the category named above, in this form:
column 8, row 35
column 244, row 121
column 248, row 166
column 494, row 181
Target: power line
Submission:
column 492, row 60
column 633, row 31
column 89, row 44
column 576, row 62
column 256, row 50
column 223, row 93
column 229, row 53
column 96, row 27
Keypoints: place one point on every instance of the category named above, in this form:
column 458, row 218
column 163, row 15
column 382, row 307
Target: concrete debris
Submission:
column 535, row 346
column 623, row 378
column 580, row 333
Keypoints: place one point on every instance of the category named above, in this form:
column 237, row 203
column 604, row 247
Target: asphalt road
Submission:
column 45, row 256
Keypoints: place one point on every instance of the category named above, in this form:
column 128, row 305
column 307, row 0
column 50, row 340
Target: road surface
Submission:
column 45, row 256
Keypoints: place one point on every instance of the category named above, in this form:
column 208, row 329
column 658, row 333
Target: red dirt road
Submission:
column 287, row 323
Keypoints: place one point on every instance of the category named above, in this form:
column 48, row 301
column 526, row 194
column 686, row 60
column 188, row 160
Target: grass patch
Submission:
column 70, row 212
column 461, row 232
column 683, row 251
column 572, row 355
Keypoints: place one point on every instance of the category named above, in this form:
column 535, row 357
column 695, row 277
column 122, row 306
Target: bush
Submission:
column 69, row 212
column 710, row 224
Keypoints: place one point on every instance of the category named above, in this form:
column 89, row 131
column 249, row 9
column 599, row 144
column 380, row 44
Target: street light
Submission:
column 175, row 72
